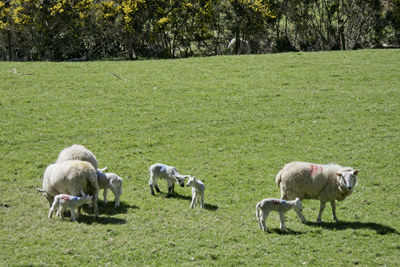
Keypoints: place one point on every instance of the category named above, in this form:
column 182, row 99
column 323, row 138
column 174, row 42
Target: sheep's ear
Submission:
column 339, row 174
column 356, row 172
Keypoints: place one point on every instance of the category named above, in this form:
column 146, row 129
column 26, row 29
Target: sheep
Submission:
column 77, row 152
column 112, row 181
column 170, row 173
column 62, row 202
column 72, row 177
column 281, row 206
column 198, row 189
column 243, row 46
column 326, row 183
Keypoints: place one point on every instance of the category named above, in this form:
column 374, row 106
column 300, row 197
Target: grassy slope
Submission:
column 233, row 122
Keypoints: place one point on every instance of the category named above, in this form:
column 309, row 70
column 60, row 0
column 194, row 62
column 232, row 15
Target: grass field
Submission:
column 233, row 122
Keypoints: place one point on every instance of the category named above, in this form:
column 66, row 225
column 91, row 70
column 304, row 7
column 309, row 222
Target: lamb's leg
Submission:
column 333, row 205
column 105, row 195
column 51, row 211
column 264, row 215
column 170, row 187
column 62, row 212
column 152, row 182
column 202, row 200
column 282, row 219
column 194, row 196
column 321, row 209
column 73, row 217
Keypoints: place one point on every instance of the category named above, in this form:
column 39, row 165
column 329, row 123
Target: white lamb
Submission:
column 77, row 152
column 326, row 183
column 111, row 181
column 265, row 206
column 72, row 177
column 198, row 189
column 62, row 202
column 169, row 173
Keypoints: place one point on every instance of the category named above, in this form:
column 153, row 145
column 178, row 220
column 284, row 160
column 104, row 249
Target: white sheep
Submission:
column 111, row 181
column 72, row 177
column 169, row 173
column 77, row 152
column 243, row 46
column 198, row 189
column 63, row 202
column 326, row 183
column 265, row 206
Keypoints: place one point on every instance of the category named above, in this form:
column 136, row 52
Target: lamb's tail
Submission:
column 278, row 178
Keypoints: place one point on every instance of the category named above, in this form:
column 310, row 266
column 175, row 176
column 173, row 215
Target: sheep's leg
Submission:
column 51, row 211
column 50, row 199
column 105, row 195
column 153, row 183
column 170, row 187
column 282, row 219
column 300, row 215
column 321, row 209
column 333, row 205
column 95, row 203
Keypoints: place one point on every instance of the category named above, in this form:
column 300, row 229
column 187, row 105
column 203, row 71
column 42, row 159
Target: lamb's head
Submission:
column 347, row 179
column 191, row 181
column 298, row 206
column 115, row 183
column 180, row 179
column 86, row 199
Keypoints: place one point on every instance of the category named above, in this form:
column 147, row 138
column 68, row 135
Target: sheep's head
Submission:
column 191, row 181
column 347, row 179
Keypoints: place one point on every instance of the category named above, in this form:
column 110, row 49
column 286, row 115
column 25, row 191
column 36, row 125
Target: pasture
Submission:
column 231, row 121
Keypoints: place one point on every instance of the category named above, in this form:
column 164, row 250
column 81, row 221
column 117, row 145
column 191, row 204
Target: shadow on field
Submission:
column 206, row 205
column 89, row 219
column 109, row 208
column 379, row 228
column 287, row 232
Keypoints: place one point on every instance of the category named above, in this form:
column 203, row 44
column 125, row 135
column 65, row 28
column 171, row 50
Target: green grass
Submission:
column 233, row 122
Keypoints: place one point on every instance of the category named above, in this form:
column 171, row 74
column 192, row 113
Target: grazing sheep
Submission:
column 198, row 189
column 170, row 173
column 326, row 183
column 112, row 181
column 62, row 202
column 77, row 152
column 72, row 177
column 281, row 206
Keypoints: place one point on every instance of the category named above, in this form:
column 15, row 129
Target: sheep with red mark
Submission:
column 325, row 183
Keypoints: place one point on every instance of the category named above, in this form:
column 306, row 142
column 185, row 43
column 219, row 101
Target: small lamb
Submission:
column 198, row 189
column 281, row 206
column 169, row 173
column 62, row 202
column 112, row 181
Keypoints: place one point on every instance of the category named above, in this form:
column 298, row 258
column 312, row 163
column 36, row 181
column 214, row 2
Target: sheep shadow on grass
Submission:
column 109, row 208
column 189, row 198
column 343, row 225
column 89, row 219
column 287, row 232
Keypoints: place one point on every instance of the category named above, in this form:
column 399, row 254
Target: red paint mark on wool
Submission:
column 315, row 169
column 276, row 202
column 65, row 198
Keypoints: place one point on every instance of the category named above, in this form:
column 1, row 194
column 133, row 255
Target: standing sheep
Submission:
column 326, row 183
column 112, row 181
column 77, row 152
column 265, row 206
column 72, row 177
column 169, row 173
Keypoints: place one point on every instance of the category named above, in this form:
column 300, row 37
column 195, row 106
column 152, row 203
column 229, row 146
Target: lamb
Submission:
column 198, row 189
column 169, row 173
column 281, row 206
column 62, row 202
column 72, row 177
column 112, row 181
column 326, row 183
column 77, row 152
